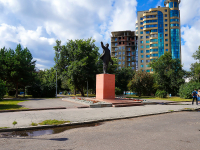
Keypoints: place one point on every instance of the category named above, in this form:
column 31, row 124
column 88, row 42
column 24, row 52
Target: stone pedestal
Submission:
column 105, row 86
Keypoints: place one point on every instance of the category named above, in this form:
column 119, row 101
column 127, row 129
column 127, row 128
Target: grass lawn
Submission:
column 176, row 99
column 19, row 96
column 11, row 104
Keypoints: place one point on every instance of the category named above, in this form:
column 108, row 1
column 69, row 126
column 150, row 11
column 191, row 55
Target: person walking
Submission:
column 194, row 94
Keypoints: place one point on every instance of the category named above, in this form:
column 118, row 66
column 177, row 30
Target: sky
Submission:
column 37, row 24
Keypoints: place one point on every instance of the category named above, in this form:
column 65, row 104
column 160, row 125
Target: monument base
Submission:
column 105, row 86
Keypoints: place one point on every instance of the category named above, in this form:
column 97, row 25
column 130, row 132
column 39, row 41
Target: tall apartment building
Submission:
column 158, row 31
column 123, row 47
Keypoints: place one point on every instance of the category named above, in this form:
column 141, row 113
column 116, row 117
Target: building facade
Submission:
column 123, row 47
column 158, row 31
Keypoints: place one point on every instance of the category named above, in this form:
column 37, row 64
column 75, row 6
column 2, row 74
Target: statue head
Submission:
column 107, row 45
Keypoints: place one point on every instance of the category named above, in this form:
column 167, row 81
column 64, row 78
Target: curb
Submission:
column 35, row 109
column 84, row 122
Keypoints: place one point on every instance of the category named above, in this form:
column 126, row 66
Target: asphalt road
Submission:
column 174, row 131
column 48, row 103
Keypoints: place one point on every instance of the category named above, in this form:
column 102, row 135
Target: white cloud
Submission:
column 190, row 31
column 37, row 24
column 160, row 2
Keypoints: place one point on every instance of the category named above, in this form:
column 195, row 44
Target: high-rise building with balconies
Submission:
column 158, row 31
column 123, row 47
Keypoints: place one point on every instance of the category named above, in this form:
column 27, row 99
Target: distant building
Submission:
column 123, row 47
column 158, row 31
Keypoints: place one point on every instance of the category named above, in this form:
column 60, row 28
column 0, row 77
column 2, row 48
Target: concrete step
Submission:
column 127, row 105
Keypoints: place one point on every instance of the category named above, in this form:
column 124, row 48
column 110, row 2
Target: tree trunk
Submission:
column 82, row 92
column 74, row 91
column 16, row 94
column 24, row 91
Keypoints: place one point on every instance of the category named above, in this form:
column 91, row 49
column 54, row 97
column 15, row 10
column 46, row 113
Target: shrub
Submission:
column 65, row 92
column 42, row 91
column 118, row 91
column 2, row 89
column 186, row 89
column 161, row 94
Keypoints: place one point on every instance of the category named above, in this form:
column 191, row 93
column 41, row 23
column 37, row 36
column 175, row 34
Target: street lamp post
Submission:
column 56, row 82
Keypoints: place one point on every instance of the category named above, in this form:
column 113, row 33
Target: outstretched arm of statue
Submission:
column 102, row 45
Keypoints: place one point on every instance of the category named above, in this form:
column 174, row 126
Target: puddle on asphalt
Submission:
column 39, row 132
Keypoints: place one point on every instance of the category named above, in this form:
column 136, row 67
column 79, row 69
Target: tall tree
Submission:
column 142, row 83
column 19, row 68
column 195, row 67
column 122, row 78
column 78, row 61
column 168, row 73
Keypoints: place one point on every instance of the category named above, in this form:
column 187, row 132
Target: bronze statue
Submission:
column 105, row 57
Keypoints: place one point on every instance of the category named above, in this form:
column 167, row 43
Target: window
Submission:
column 166, row 40
column 174, row 25
column 175, row 5
column 141, row 28
column 141, row 32
column 119, row 53
column 142, row 66
column 154, row 30
column 115, row 39
column 165, row 10
column 173, row 20
column 154, row 55
column 123, row 47
column 147, row 61
column 119, row 57
column 147, row 70
column 120, row 67
column 174, row 13
column 147, row 32
column 147, row 46
column 166, row 44
column 119, row 47
column 141, row 42
column 150, row 21
column 165, row 25
column 151, row 26
column 154, row 40
column 119, row 63
column 165, row 15
column 154, row 45
column 123, row 58
column 123, row 53
column 147, row 51
column 153, row 50
column 116, row 49
column 115, row 54
column 171, row 5
column 166, row 50
column 142, row 46
column 166, row 34
column 141, row 18
column 141, row 56
column 123, row 63
column 147, row 41
column 136, row 28
column 141, row 37
column 132, row 63
column 147, row 56
column 142, row 61
column 141, row 51
column 129, row 49
column 115, row 44
column 141, row 23
column 165, row 20
column 147, row 37
column 166, row 30
column 147, row 66
column 133, row 68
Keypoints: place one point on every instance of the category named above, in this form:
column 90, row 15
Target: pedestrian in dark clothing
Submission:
column 194, row 94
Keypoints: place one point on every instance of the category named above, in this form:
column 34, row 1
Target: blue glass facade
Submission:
column 175, row 43
column 150, row 26
column 174, row 13
column 171, row 5
column 150, row 21
column 160, row 34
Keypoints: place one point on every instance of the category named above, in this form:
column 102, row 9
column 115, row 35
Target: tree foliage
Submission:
column 17, row 67
column 186, row 89
column 123, row 77
column 2, row 89
column 77, row 61
column 142, row 83
column 168, row 73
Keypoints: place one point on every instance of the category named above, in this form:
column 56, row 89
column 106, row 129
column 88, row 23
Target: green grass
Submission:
column 19, row 96
column 11, row 104
column 34, row 124
column 176, row 99
column 53, row 122
column 4, row 127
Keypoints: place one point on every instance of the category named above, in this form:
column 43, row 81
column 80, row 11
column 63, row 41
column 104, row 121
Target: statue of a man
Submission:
column 105, row 57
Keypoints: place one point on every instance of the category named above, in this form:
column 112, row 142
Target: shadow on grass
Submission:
column 10, row 107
